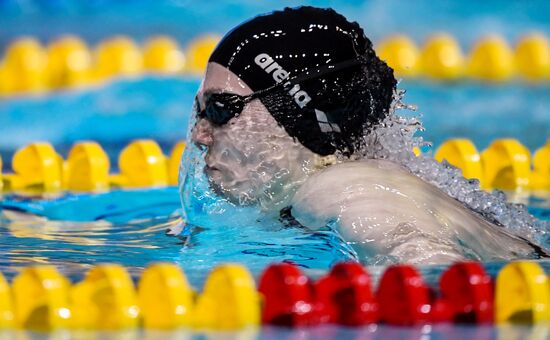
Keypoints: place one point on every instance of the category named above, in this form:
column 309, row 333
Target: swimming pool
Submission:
column 136, row 219
column 77, row 231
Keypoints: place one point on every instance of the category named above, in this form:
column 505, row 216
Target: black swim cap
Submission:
column 329, row 84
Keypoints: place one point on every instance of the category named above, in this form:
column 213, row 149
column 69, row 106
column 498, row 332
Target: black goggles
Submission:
column 220, row 108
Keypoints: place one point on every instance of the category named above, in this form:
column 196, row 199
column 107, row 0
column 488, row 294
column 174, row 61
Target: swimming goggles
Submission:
column 221, row 107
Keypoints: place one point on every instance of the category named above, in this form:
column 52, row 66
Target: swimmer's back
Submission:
column 382, row 205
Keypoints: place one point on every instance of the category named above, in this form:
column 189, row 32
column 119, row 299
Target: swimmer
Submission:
column 282, row 112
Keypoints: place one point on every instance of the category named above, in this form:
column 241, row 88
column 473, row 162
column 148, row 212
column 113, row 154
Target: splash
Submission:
column 223, row 230
column 395, row 139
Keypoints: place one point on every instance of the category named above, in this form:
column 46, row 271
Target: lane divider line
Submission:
column 42, row 299
column 68, row 62
column 38, row 168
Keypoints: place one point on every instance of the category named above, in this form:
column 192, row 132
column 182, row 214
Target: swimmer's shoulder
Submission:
column 355, row 170
column 322, row 195
column 342, row 175
column 364, row 164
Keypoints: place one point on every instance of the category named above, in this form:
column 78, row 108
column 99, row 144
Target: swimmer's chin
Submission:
column 233, row 196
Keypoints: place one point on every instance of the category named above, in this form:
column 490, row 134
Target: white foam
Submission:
column 395, row 139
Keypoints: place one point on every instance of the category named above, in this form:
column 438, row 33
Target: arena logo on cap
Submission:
column 279, row 74
column 300, row 96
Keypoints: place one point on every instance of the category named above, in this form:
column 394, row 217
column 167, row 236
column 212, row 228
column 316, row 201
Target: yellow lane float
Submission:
column 69, row 62
column 6, row 306
column 463, row 154
column 163, row 55
column 229, row 300
column 142, row 164
column 87, row 168
column 491, row 59
column 541, row 168
column 24, row 66
column 41, row 299
column 118, row 56
column 522, row 294
column 37, row 167
column 198, row 53
column 7, row 86
column 165, row 297
column 442, row 58
column 105, row 299
column 401, row 54
column 506, row 165
column 533, row 57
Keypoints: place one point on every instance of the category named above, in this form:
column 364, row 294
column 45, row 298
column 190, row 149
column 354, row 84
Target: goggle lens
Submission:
column 221, row 107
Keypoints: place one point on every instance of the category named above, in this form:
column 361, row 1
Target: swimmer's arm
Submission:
column 285, row 216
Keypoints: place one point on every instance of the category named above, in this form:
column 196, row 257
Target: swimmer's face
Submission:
column 250, row 159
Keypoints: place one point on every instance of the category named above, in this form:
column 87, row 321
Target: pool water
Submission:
column 159, row 107
column 76, row 231
column 128, row 227
column 320, row 332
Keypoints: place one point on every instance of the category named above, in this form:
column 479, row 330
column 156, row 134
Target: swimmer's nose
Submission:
column 203, row 133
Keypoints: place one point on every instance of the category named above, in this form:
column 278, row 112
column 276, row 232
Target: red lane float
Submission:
column 288, row 296
column 404, row 299
column 468, row 289
column 345, row 297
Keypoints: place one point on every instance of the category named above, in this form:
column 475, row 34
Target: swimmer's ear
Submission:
column 324, row 161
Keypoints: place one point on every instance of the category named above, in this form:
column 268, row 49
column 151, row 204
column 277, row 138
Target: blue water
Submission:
column 184, row 19
column 159, row 108
column 441, row 331
column 128, row 227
